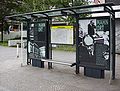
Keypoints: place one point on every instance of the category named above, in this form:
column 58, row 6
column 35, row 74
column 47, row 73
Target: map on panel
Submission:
column 62, row 34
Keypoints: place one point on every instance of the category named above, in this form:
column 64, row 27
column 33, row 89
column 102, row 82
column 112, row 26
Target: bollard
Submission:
column 17, row 50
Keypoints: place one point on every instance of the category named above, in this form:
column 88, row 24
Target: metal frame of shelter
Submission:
column 75, row 12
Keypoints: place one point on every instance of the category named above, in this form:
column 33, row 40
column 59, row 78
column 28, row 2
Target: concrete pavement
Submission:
column 13, row 77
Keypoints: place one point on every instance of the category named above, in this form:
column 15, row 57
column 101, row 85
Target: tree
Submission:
column 39, row 5
column 21, row 6
column 7, row 7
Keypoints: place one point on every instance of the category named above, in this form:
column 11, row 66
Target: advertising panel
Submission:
column 36, row 44
column 94, row 42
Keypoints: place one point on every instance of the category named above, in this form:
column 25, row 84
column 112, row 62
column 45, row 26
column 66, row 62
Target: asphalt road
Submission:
column 13, row 77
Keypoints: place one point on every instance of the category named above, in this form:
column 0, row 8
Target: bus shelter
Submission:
column 94, row 38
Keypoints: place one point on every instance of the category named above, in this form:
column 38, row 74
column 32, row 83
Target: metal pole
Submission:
column 110, row 81
column 49, row 41
column 77, row 44
column 22, row 61
column 17, row 50
column 113, row 46
column 28, row 40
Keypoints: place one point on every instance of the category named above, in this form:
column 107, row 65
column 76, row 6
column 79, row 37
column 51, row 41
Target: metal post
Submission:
column 110, row 42
column 77, row 44
column 22, row 63
column 28, row 39
column 113, row 45
column 49, row 41
column 17, row 50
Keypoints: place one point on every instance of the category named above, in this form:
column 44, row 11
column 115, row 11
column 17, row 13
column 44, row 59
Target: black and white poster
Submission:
column 94, row 42
column 36, row 44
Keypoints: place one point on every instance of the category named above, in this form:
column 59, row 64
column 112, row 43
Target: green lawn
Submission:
column 59, row 47
column 4, row 43
column 65, row 48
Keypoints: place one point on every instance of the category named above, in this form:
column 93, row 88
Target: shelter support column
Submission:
column 22, row 60
column 28, row 39
column 49, row 45
column 77, row 44
column 113, row 45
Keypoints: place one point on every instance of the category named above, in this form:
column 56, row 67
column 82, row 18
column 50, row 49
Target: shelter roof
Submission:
column 77, row 10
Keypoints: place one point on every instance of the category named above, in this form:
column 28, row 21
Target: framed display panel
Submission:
column 94, row 44
column 37, row 43
column 62, row 34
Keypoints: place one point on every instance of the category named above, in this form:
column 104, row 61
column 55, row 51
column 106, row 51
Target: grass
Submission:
column 65, row 48
column 59, row 47
column 4, row 43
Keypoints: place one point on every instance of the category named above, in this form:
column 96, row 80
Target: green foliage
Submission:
column 8, row 6
column 39, row 5
column 22, row 6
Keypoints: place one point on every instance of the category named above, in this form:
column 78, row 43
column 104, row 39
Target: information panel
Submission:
column 62, row 34
column 37, row 42
column 94, row 42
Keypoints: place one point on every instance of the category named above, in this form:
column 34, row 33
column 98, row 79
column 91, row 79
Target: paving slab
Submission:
column 13, row 77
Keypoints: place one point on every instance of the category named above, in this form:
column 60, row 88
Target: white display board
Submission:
column 62, row 34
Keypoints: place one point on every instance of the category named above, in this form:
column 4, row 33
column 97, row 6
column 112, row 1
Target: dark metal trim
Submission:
column 69, row 8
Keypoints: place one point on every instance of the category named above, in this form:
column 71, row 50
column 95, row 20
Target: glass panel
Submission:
column 89, row 9
column 28, row 16
column 39, row 15
column 54, row 13
column 68, row 11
